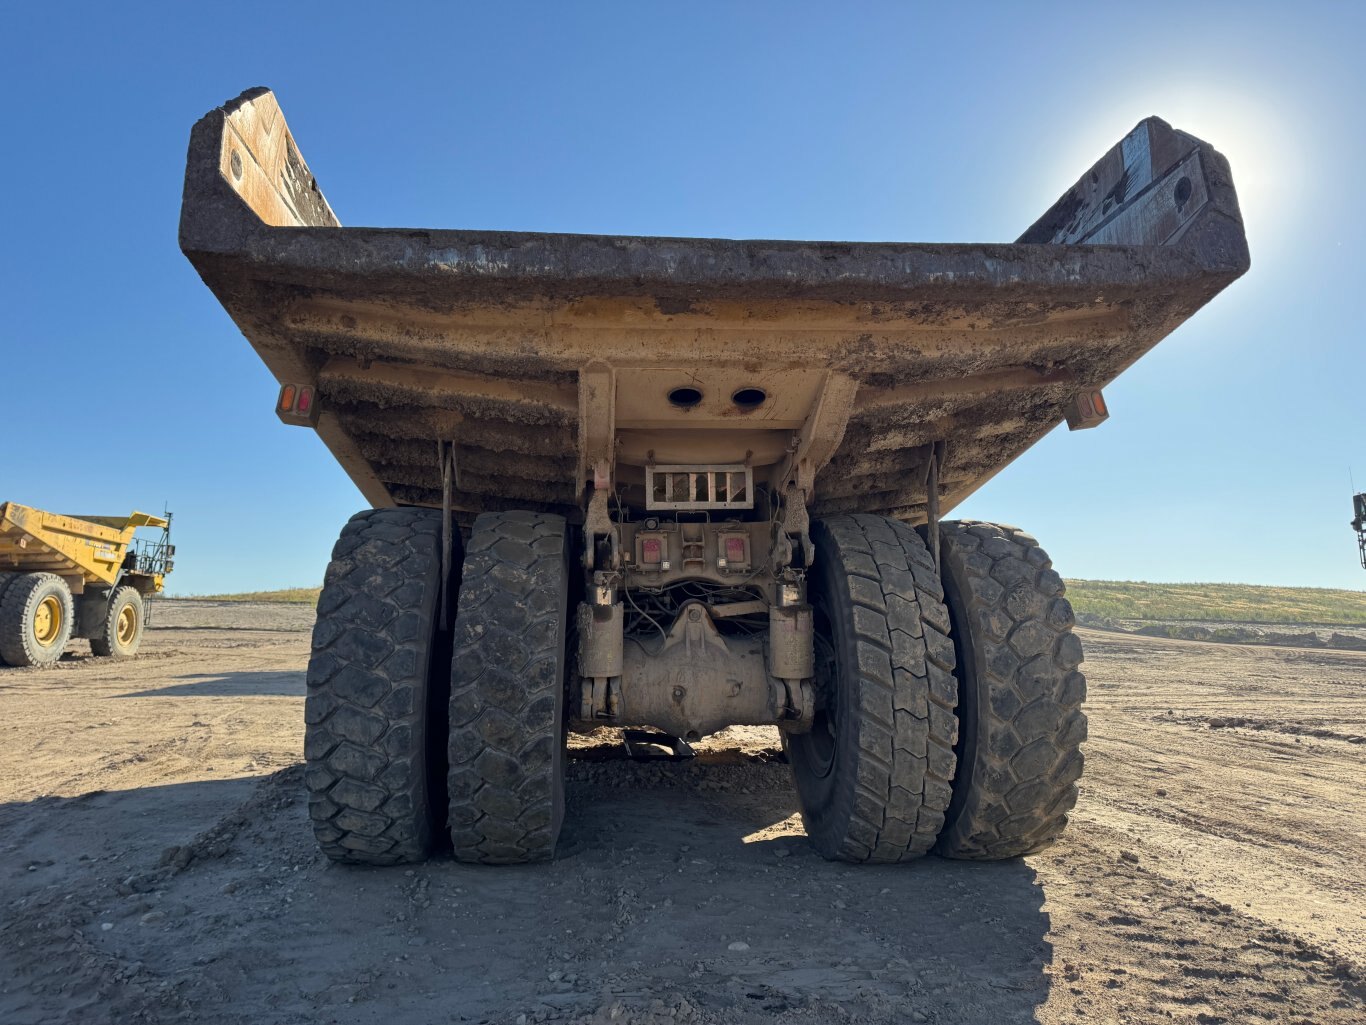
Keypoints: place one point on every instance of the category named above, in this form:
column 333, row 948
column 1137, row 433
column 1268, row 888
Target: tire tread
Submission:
column 506, row 755
column 1017, row 777
column 365, row 712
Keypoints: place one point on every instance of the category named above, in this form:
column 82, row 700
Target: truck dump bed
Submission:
column 83, row 550
column 861, row 358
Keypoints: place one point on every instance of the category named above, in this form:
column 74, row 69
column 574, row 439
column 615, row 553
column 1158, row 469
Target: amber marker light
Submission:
column 1085, row 410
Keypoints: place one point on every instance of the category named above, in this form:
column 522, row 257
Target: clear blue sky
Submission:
column 1227, row 454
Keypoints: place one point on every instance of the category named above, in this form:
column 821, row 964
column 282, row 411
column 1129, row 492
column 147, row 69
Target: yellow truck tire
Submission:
column 874, row 772
column 36, row 618
column 120, row 634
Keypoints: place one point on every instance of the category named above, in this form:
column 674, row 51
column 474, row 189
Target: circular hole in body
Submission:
column 749, row 398
column 685, row 398
column 235, row 162
column 1183, row 192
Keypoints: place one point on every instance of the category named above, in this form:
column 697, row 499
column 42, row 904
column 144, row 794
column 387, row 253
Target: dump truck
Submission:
column 691, row 483
column 1358, row 524
column 77, row 576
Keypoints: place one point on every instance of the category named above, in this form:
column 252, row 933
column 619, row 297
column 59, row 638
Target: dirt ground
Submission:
column 158, row 867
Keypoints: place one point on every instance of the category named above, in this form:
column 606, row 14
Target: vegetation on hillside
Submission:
column 1221, row 603
column 289, row 596
column 1115, row 599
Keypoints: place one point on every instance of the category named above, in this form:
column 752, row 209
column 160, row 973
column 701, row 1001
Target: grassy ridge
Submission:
column 1117, row 599
column 289, row 596
column 1221, row 603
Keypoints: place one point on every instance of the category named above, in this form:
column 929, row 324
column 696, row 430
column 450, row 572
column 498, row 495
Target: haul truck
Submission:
column 688, row 483
column 77, row 576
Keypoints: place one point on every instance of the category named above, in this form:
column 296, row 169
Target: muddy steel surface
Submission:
column 158, row 866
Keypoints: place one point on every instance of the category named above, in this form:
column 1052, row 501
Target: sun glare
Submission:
column 1251, row 129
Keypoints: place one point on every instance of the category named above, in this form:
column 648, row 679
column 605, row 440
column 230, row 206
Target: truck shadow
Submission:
column 230, row 684
column 687, row 885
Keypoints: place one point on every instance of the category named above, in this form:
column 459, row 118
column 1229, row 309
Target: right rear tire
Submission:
column 1020, row 694
column 374, row 715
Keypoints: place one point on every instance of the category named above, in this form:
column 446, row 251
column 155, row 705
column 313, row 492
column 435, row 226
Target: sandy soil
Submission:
column 157, row 865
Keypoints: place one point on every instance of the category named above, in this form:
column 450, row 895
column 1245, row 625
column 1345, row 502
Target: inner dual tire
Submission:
column 409, row 725
column 874, row 772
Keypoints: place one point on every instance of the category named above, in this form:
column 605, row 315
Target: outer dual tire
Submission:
column 1020, row 695
column 36, row 618
column 374, row 733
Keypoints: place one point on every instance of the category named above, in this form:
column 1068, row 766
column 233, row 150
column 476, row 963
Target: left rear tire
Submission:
column 507, row 736
column 375, row 712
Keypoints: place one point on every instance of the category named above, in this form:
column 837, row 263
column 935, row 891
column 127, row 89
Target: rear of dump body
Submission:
column 85, row 551
column 549, row 360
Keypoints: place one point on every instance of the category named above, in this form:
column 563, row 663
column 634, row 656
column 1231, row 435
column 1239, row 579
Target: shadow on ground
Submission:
column 238, row 684
column 684, row 892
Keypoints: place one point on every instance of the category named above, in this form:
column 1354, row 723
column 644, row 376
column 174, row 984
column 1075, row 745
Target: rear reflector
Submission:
column 1086, row 409
column 296, row 405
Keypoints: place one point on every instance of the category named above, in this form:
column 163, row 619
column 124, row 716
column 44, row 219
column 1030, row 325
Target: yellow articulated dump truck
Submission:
column 690, row 483
column 76, row 576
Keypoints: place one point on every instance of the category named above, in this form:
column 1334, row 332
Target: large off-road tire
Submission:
column 374, row 733
column 1019, row 693
column 506, row 752
column 873, row 774
column 121, row 632
column 5, row 580
column 36, row 618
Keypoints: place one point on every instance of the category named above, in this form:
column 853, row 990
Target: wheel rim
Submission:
column 47, row 621
column 127, row 626
column 823, row 740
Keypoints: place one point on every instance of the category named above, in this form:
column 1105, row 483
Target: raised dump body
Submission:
column 76, row 576
column 733, row 455
column 879, row 350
